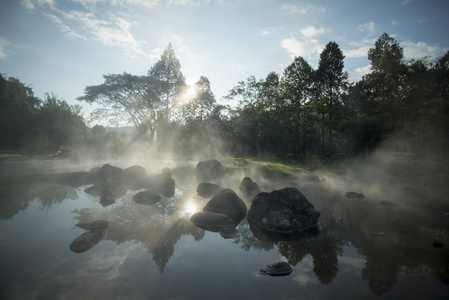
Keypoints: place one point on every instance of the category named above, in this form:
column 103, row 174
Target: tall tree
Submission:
column 297, row 84
column 168, row 71
column 201, row 105
column 332, row 82
column 388, row 79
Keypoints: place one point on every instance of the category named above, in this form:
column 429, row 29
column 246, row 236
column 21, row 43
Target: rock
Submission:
column 279, row 268
column 249, row 188
column 212, row 221
column 282, row 215
column 111, row 184
column 161, row 183
column 206, row 189
column 146, row 198
column 94, row 225
column 87, row 240
column 437, row 243
column 135, row 176
column 110, row 176
column 227, row 202
column 353, row 195
column 209, row 170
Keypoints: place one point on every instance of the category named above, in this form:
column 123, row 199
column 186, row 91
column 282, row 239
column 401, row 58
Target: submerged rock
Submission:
column 249, row 188
column 279, row 268
column 94, row 225
column 282, row 215
column 209, row 170
column 87, row 240
column 227, row 202
column 354, row 195
column 146, row 198
column 206, row 189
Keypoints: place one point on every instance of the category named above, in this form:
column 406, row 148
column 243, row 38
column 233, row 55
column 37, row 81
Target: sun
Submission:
column 191, row 92
column 189, row 209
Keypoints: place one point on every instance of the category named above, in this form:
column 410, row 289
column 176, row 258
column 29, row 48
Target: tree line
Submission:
column 401, row 105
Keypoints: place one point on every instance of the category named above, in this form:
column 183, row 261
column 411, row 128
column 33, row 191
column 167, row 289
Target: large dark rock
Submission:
column 135, row 176
column 161, row 183
column 110, row 176
column 209, row 170
column 282, row 215
column 206, row 189
column 229, row 203
column 249, row 188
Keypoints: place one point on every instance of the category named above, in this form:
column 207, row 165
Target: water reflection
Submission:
column 404, row 248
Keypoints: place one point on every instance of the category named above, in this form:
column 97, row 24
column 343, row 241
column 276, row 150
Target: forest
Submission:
column 402, row 105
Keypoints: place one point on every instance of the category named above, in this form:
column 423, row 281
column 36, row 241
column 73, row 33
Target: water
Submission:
column 155, row 252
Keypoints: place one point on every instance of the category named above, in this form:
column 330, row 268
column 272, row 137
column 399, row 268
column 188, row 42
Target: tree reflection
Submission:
column 157, row 227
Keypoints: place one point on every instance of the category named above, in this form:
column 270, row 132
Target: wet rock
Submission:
column 135, row 176
column 209, row 170
column 94, row 225
column 212, row 221
column 87, row 240
column 206, row 189
column 354, row 195
column 146, row 198
column 110, row 177
column 279, row 268
column 282, row 215
column 229, row 203
column 249, row 188
column 161, row 183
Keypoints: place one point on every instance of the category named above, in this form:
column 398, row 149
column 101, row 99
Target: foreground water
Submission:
column 363, row 251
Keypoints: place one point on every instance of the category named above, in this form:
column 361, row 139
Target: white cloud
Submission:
column 311, row 31
column 112, row 32
column 405, row 2
column 306, row 45
column 4, row 44
column 309, row 8
column 421, row 49
column 362, row 48
column 394, row 22
column 64, row 28
column 366, row 27
column 357, row 74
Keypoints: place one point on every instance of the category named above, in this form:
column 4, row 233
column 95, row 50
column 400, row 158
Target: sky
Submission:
column 62, row 46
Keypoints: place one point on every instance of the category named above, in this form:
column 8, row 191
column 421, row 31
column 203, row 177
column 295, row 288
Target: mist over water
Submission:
column 378, row 246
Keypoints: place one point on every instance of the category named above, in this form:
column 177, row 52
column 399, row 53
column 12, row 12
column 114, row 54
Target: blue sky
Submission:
column 61, row 46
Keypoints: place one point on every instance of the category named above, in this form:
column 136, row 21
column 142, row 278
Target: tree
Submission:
column 331, row 83
column 297, row 84
column 139, row 97
column 62, row 122
column 201, row 105
column 168, row 71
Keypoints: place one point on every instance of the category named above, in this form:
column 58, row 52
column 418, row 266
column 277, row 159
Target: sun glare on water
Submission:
column 189, row 209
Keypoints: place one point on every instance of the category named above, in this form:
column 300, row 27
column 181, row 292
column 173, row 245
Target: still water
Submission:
column 155, row 252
